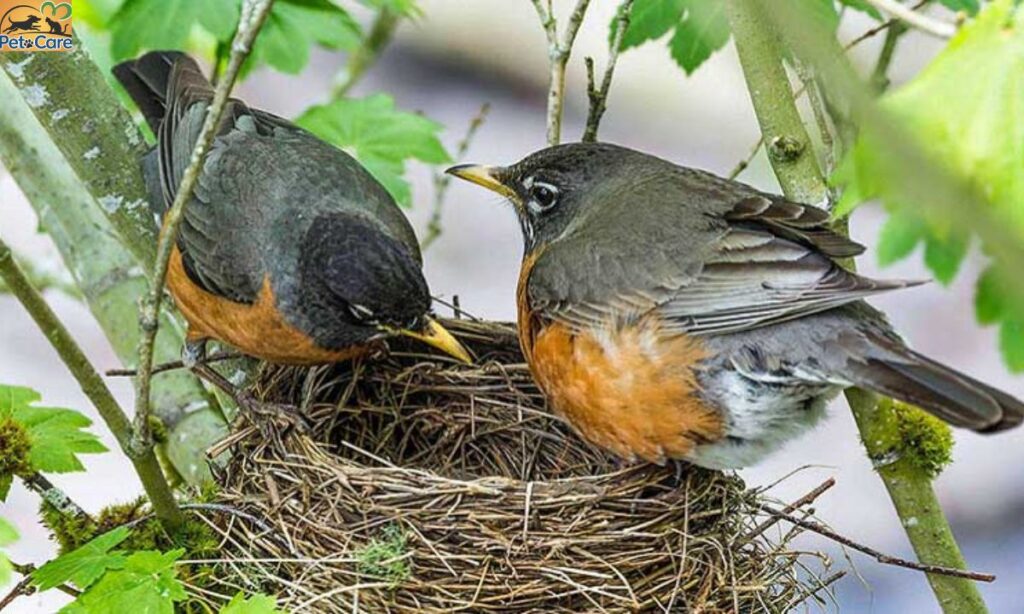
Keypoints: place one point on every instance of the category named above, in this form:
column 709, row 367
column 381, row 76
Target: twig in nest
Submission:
column 558, row 52
column 882, row 558
column 443, row 180
column 175, row 364
column 598, row 96
column 807, row 499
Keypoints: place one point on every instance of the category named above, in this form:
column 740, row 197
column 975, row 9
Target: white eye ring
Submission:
column 543, row 196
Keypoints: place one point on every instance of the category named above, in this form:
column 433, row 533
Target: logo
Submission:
column 31, row 25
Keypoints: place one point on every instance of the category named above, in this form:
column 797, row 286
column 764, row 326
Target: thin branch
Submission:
column 880, row 75
column 745, row 162
column 598, row 96
column 443, row 180
column 254, row 13
column 22, row 588
column 885, row 559
column 807, row 499
column 909, row 16
column 360, row 60
column 558, row 55
column 95, row 389
column 52, row 495
column 27, row 570
column 174, row 365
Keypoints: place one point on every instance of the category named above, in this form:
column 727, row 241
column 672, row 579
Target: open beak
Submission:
column 487, row 176
column 437, row 336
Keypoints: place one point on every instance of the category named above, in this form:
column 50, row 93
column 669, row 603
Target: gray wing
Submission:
column 727, row 259
column 215, row 254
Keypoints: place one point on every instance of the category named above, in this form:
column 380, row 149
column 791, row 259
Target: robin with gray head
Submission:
column 672, row 314
column 289, row 249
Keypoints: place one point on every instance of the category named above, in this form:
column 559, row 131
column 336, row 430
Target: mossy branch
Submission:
column 146, row 465
column 909, row 484
column 71, row 99
column 107, row 275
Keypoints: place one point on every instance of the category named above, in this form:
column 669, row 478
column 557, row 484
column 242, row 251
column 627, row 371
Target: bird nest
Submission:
column 425, row 485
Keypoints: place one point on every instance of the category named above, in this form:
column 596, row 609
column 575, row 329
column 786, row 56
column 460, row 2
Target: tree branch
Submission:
column 254, row 13
column 755, row 24
column 71, row 99
column 443, row 180
column 381, row 31
column 789, row 146
column 558, row 55
column 598, row 96
column 106, row 273
column 885, row 559
column 53, row 496
column 907, row 15
column 92, row 385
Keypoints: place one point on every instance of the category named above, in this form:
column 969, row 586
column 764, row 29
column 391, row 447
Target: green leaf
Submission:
column 863, row 6
column 378, row 135
column 964, row 111
column 1011, row 343
column 84, row 565
column 147, row 583
column 704, row 30
column 293, row 26
column 406, row 8
column 943, row 255
column 900, row 235
column 5, row 485
column 8, row 535
column 968, row 6
column 256, row 604
column 56, row 435
column 990, row 301
column 166, row 24
column 650, row 20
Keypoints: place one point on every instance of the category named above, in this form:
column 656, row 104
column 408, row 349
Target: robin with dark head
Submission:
column 289, row 250
column 668, row 313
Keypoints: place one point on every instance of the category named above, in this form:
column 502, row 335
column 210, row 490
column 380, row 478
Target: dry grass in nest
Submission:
column 427, row 485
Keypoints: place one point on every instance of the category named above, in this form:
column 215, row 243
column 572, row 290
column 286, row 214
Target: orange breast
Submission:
column 630, row 390
column 257, row 329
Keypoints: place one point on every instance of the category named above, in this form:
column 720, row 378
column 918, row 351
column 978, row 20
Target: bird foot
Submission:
column 263, row 415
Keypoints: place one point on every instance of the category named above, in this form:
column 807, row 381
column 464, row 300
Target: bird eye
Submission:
column 543, row 196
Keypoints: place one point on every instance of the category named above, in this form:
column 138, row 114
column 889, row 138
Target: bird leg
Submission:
column 193, row 356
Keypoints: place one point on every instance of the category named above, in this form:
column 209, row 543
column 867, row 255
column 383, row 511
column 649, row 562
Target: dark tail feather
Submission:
column 158, row 77
column 952, row 396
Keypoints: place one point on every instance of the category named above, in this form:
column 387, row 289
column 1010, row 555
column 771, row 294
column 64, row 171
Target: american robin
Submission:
column 670, row 313
column 289, row 250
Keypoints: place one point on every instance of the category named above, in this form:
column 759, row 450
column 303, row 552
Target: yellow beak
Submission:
column 438, row 336
column 487, row 176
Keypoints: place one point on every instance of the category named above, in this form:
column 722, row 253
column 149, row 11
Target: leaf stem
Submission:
column 761, row 53
column 146, row 465
column 253, row 15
